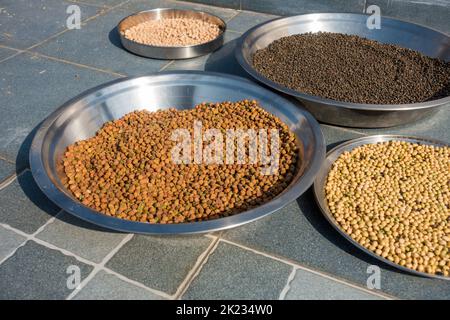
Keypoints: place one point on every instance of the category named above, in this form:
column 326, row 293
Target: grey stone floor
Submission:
column 292, row 254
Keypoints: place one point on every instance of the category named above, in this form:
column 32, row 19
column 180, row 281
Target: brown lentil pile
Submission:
column 393, row 198
column 353, row 69
column 126, row 170
column 173, row 32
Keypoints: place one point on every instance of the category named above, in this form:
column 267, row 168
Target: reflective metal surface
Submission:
column 81, row 117
column 321, row 178
column 393, row 31
column 170, row 52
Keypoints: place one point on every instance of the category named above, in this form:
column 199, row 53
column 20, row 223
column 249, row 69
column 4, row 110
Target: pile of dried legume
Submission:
column 173, row 32
column 393, row 198
column 353, row 69
column 126, row 170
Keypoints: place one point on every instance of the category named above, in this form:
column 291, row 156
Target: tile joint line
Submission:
column 317, row 272
column 98, row 267
column 11, row 178
column 66, row 252
column 287, row 287
column 104, row 6
column 164, row 67
column 102, row 12
column 27, row 236
column 136, row 283
column 192, row 274
column 69, row 253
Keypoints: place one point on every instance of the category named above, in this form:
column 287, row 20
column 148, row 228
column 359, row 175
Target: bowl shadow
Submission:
column 224, row 61
column 114, row 38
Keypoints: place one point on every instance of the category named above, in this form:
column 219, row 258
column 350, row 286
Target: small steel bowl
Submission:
column 165, row 52
column 322, row 175
column 393, row 31
column 81, row 118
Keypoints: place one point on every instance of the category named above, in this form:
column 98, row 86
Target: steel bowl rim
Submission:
column 322, row 204
column 317, row 99
column 222, row 28
column 65, row 202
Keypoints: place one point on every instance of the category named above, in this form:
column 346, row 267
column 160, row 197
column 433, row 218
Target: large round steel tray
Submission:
column 425, row 40
column 81, row 117
column 321, row 178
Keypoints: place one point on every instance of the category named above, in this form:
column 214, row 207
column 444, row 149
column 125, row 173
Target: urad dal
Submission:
column 126, row 170
column 393, row 198
column 173, row 32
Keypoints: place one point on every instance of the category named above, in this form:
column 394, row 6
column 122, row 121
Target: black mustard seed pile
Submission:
column 353, row 69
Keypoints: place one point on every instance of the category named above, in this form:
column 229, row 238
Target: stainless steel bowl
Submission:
column 393, row 31
column 81, row 117
column 159, row 52
column 321, row 178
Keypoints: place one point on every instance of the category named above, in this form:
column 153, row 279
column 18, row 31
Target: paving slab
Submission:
column 37, row 272
column 23, row 206
column 82, row 238
column 101, row 3
column 140, row 5
column 310, row 286
column 161, row 263
column 430, row 13
column 235, row 273
column 9, row 241
column 20, row 28
column 105, row 286
column 293, row 7
column 31, row 87
column 7, row 169
column 434, row 126
column 5, row 53
column 245, row 20
column 97, row 44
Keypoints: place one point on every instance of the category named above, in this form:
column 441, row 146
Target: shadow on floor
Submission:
column 114, row 38
column 224, row 61
column 25, row 178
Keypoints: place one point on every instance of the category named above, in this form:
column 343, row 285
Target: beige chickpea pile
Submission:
column 393, row 198
column 126, row 170
column 174, row 32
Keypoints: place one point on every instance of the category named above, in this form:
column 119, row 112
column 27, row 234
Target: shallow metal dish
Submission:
column 81, row 117
column 321, row 178
column 170, row 52
column 393, row 31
